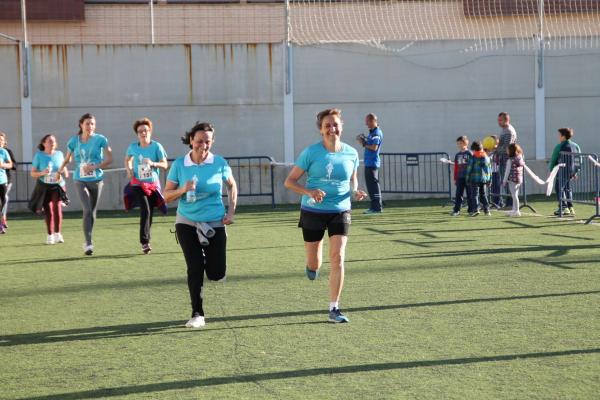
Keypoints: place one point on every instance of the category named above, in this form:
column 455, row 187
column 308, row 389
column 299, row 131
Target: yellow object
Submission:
column 489, row 143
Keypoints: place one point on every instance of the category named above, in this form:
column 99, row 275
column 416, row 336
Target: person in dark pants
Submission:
column 478, row 175
column 43, row 167
column 142, row 162
column 196, row 179
column 5, row 164
column 372, row 144
column 461, row 160
column 508, row 136
column 4, row 144
column 562, row 185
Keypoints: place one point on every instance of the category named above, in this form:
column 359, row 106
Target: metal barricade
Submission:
column 578, row 181
column 254, row 176
column 22, row 183
column 415, row 173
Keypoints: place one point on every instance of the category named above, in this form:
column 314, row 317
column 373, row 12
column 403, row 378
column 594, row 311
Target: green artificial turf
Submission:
column 440, row 308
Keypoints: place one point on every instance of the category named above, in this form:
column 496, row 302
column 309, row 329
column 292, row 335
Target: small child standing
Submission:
column 562, row 186
column 461, row 160
column 513, row 176
column 478, row 176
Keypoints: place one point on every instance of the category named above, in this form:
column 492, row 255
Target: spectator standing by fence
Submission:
column 372, row 145
column 461, row 161
column 508, row 135
column 513, row 176
column 562, row 184
column 5, row 164
column 478, row 176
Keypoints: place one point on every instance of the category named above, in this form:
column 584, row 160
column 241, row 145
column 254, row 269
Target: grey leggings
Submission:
column 514, row 192
column 89, row 194
column 5, row 200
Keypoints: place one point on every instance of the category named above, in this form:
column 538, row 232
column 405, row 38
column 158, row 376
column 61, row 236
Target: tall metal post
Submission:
column 288, row 92
column 540, row 95
column 25, row 71
column 152, row 20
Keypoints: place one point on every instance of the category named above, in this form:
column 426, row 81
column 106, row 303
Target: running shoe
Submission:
column 336, row 316
column 197, row 321
column 455, row 213
column 146, row 249
column 565, row 211
column 571, row 211
column 370, row 211
column 58, row 238
column 474, row 214
column 50, row 239
column 312, row 275
column 88, row 249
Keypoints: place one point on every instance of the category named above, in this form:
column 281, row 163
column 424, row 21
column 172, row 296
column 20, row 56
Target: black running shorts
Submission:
column 314, row 224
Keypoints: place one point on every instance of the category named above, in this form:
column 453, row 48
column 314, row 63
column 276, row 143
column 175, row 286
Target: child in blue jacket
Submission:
column 478, row 176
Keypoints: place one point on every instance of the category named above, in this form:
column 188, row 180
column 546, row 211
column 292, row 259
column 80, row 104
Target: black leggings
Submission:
column 146, row 212
column 2, row 195
column 200, row 259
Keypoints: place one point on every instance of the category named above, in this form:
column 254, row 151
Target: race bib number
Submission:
column 83, row 174
column 144, row 171
column 50, row 178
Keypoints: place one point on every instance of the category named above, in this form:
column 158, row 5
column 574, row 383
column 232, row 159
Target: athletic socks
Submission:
column 332, row 305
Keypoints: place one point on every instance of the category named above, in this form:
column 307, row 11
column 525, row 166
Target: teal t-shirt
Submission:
column 4, row 158
column 90, row 152
column 42, row 160
column 210, row 176
column 330, row 172
column 154, row 151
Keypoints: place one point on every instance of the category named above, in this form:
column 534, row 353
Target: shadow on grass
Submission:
column 113, row 331
column 304, row 373
column 555, row 251
column 67, row 259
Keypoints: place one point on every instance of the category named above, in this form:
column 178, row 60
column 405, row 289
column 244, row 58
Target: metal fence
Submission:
column 415, row 173
column 254, row 176
column 578, row 181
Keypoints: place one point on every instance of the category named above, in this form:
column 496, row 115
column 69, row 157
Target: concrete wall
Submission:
column 425, row 96
column 428, row 95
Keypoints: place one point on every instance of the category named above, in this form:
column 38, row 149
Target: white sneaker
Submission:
column 50, row 239
column 58, row 238
column 196, row 322
column 88, row 249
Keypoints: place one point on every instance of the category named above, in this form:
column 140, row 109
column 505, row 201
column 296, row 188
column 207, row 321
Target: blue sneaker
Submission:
column 312, row 275
column 336, row 316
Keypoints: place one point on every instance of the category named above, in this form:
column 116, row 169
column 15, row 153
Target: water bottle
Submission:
column 190, row 195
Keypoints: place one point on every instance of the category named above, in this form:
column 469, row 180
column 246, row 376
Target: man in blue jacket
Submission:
column 372, row 144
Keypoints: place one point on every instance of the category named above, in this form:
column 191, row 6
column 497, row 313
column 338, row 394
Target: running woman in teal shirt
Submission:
column 142, row 162
column 331, row 181
column 5, row 164
column 91, row 153
column 196, row 179
column 44, row 166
